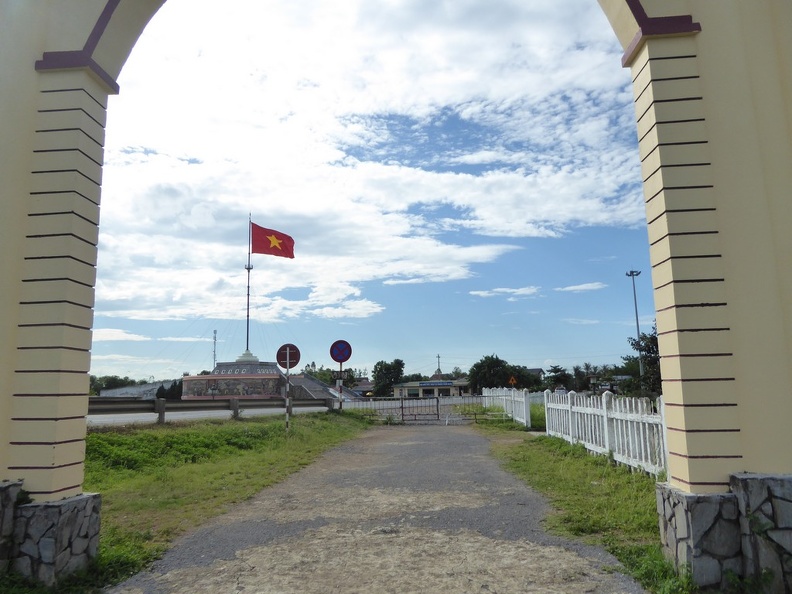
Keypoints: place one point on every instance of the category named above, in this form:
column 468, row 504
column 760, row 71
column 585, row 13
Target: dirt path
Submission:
column 399, row 510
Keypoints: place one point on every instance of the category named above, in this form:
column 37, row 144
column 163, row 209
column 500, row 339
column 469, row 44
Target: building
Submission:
column 432, row 388
column 247, row 377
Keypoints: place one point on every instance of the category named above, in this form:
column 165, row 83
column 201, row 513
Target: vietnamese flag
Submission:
column 271, row 242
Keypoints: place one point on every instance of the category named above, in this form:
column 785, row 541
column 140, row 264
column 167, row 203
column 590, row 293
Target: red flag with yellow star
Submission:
column 271, row 242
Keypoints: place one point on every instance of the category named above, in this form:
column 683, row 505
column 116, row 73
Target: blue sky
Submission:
column 460, row 178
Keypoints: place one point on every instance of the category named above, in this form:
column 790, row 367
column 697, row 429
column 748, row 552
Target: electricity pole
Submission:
column 632, row 274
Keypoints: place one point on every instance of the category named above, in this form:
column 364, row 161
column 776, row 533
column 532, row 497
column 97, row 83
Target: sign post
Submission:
column 287, row 357
column 340, row 351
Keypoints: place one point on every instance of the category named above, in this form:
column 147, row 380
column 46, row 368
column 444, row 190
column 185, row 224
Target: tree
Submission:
column 414, row 377
column 579, row 380
column 386, row 375
column 109, row 382
column 456, row 373
column 490, row 372
column 647, row 348
column 630, row 367
column 322, row 373
column 524, row 378
column 175, row 391
column 325, row 375
column 557, row 376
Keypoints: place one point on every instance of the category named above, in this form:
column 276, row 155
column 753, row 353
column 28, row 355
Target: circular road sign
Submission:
column 288, row 356
column 340, row 351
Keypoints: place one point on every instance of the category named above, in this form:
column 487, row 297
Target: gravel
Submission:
column 401, row 509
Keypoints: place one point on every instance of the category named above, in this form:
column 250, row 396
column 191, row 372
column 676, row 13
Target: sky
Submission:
column 461, row 179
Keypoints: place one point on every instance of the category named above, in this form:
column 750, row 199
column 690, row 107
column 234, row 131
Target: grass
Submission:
column 159, row 481
column 490, row 414
column 601, row 503
column 538, row 419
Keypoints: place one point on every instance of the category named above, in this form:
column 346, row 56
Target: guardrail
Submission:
column 160, row 406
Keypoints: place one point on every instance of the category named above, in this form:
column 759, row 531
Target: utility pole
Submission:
column 632, row 274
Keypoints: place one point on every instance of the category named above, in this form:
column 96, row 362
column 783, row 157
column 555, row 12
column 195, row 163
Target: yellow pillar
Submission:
column 62, row 60
column 713, row 105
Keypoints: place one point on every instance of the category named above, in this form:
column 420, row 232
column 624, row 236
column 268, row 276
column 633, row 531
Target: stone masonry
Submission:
column 700, row 533
column 9, row 490
column 765, row 503
column 57, row 538
column 746, row 533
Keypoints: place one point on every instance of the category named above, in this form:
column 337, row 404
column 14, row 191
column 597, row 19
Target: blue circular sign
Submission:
column 340, row 351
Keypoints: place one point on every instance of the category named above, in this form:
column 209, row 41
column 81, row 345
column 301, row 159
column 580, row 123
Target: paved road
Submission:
column 399, row 510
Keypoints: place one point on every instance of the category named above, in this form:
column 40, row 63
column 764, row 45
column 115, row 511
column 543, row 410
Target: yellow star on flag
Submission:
column 274, row 241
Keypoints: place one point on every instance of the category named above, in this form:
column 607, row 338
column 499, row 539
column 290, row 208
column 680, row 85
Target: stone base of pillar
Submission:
column 700, row 534
column 765, row 503
column 746, row 533
column 54, row 539
column 9, row 491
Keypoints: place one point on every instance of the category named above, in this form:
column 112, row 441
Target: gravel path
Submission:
column 399, row 510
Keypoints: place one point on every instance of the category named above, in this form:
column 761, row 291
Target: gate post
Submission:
column 607, row 421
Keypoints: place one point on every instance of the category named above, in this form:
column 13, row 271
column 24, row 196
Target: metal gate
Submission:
column 453, row 410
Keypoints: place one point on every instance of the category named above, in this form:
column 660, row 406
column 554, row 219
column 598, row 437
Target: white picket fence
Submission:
column 630, row 429
column 515, row 403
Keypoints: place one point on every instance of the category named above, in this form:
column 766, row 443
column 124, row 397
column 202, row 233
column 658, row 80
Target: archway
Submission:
column 712, row 99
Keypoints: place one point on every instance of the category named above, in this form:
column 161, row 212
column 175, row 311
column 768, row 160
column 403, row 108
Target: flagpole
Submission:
column 248, row 268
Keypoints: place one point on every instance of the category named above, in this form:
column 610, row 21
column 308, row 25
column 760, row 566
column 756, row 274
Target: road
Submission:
column 399, row 510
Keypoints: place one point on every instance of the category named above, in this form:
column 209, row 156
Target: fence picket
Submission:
column 627, row 428
column 515, row 403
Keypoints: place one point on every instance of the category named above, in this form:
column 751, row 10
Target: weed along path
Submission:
column 399, row 510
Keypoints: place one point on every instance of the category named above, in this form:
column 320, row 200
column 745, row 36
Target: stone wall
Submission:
column 700, row 533
column 54, row 539
column 765, row 503
column 718, row 537
column 47, row 541
column 9, row 491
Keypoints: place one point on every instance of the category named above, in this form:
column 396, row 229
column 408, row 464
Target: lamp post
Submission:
column 632, row 274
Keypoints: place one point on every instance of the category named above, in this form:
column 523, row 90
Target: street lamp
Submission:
column 632, row 274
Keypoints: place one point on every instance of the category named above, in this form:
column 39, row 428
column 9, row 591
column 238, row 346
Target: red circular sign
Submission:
column 288, row 356
column 340, row 351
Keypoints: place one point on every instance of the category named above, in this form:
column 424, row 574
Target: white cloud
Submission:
column 511, row 293
column 582, row 288
column 114, row 334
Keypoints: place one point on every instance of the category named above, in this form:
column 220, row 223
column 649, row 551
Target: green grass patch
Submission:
column 159, row 481
column 538, row 419
column 488, row 415
column 599, row 502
